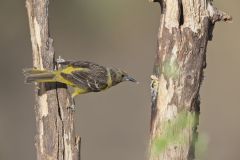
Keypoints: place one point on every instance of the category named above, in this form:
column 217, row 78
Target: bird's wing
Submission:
column 82, row 64
column 75, row 64
column 93, row 79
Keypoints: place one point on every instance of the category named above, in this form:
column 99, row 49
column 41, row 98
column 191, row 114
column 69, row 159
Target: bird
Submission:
column 82, row 76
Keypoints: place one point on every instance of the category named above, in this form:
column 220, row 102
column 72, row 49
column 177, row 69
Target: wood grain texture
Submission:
column 55, row 137
column 185, row 28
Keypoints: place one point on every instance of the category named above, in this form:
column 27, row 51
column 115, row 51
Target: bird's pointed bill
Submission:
column 128, row 78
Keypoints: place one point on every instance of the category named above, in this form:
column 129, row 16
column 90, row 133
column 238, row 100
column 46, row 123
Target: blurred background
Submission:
column 114, row 124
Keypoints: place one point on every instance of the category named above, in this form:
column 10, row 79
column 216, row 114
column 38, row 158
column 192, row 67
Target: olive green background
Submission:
column 114, row 124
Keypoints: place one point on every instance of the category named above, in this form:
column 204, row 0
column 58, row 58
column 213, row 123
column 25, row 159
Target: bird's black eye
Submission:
column 122, row 76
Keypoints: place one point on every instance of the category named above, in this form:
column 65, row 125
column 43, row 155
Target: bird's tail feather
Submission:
column 35, row 75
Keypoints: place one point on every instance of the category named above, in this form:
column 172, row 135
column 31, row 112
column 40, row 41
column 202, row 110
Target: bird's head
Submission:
column 118, row 76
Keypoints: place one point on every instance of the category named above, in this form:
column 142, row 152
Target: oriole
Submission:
column 83, row 76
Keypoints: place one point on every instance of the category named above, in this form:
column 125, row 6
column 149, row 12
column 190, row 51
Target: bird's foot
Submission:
column 60, row 60
column 72, row 107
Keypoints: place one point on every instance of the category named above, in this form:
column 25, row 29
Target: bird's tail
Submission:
column 36, row 75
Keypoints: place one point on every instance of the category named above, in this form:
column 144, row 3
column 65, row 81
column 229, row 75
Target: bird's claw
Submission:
column 60, row 60
column 72, row 107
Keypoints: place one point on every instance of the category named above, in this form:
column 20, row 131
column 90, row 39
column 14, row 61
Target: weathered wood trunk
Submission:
column 55, row 138
column 185, row 28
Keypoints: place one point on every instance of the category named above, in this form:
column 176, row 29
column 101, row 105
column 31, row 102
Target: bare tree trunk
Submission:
column 185, row 29
column 55, row 137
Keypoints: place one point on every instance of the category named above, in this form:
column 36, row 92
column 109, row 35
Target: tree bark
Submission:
column 185, row 29
column 55, row 137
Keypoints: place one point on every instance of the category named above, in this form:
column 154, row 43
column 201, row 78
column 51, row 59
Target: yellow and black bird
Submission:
column 83, row 76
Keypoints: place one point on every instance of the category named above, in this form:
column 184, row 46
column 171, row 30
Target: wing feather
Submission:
column 94, row 79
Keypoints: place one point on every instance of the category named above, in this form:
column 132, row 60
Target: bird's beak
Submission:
column 128, row 78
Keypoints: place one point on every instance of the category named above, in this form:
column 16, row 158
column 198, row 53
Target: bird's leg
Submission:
column 75, row 93
column 61, row 61
column 72, row 106
column 58, row 63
